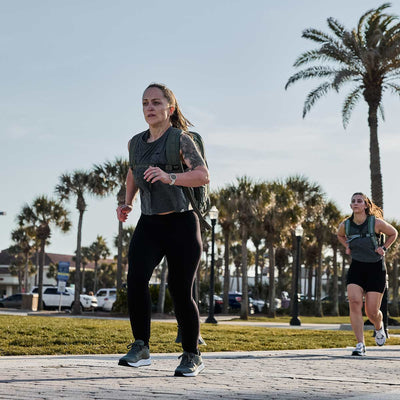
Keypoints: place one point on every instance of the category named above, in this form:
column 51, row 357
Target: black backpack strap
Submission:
column 172, row 150
column 203, row 222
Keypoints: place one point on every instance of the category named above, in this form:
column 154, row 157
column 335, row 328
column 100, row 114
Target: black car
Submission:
column 235, row 300
column 13, row 301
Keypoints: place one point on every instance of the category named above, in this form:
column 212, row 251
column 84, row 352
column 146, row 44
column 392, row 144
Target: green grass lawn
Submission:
column 29, row 335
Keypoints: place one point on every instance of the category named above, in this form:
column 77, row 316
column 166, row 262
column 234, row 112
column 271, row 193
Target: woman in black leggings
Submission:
column 167, row 227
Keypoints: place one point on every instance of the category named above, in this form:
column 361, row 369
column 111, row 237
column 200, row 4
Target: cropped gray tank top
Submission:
column 362, row 248
column 157, row 197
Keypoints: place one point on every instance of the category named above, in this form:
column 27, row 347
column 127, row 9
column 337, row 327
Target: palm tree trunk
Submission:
column 343, row 277
column 41, row 266
column 226, row 272
column 395, row 309
column 257, row 256
column 77, row 300
column 310, row 282
column 119, row 258
column 95, row 274
column 271, row 297
column 375, row 161
column 318, row 311
column 335, row 310
column 26, row 272
column 244, row 309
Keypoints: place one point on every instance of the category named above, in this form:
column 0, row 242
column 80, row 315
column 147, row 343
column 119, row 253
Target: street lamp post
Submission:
column 295, row 307
column 213, row 213
column 2, row 213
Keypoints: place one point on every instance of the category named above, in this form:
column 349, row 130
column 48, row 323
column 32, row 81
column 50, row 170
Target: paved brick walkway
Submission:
column 301, row 374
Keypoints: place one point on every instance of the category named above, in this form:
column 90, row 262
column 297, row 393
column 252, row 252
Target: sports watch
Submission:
column 173, row 179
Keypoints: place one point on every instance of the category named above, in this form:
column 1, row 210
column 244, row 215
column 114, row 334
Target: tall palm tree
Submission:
column 282, row 214
column 226, row 218
column 40, row 216
column 308, row 198
column 78, row 184
column 368, row 58
column 111, row 176
column 98, row 250
column 246, row 197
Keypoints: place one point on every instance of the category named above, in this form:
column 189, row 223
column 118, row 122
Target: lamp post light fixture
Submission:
column 295, row 307
column 213, row 213
column 2, row 213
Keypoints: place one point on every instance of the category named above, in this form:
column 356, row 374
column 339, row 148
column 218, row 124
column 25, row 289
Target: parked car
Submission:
column 106, row 298
column 51, row 298
column 13, row 301
column 235, row 299
column 258, row 305
column 218, row 302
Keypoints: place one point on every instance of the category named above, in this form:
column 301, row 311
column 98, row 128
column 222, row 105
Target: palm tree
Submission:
column 246, row 198
column 39, row 217
column 109, row 177
column 125, row 240
column 308, row 197
column 97, row 250
column 78, row 184
column 392, row 258
column 281, row 215
column 17, row 263
column 24, row 238
column 226, row 217
column 367, row 57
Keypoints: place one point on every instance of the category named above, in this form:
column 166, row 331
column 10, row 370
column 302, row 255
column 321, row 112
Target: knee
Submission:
column 372, row 313
column 355, row 303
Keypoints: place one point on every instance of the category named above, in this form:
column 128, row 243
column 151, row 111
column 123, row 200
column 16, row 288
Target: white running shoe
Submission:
column 380, row 336
column 359, row 350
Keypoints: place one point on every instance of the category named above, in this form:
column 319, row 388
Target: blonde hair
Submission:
column 178, row 120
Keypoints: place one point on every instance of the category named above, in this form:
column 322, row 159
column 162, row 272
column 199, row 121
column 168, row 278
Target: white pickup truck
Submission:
column 51, row 298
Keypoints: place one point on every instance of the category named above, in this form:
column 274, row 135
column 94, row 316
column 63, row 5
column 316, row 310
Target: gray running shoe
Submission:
column 191, row 365
column 380, row 336
column 359, row 350
column 137, row 356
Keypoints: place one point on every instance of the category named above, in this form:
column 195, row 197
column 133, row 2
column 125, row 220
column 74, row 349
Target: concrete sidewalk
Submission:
column 298, row 374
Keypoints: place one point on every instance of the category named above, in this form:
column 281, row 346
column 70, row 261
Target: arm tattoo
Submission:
column 190, row 152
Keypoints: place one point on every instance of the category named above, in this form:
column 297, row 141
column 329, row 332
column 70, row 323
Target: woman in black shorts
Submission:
column 367, row 274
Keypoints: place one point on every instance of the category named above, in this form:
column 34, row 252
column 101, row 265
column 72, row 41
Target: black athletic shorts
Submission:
column 370, row 276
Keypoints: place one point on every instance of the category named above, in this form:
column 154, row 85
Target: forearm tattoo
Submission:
column 190, row 152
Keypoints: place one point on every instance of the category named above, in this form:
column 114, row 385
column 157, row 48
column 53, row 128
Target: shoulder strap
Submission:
column 172, row 149
column 347, row 227
column 371, row 230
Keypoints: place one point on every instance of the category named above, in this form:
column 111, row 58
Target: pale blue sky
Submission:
column 73, row 72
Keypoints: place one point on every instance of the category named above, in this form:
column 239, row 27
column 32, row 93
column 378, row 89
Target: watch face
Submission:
column 173, row 176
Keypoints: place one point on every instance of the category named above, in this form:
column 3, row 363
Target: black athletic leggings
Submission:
column 176, row 236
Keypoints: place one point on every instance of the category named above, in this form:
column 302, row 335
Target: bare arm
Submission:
column 382, row 226
column 341, row 235
column 197, row 175
column 130, row 194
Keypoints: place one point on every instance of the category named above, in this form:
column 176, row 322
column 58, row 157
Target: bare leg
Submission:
column 355, row 294
column 372, row 308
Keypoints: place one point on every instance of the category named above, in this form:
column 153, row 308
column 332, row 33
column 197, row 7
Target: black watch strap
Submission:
column 384, row 248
